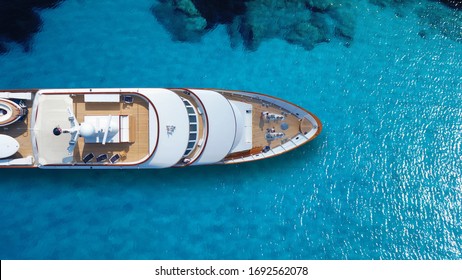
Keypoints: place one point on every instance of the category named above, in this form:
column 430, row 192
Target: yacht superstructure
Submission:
column 146, row 127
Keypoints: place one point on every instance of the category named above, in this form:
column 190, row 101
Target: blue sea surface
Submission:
column 382, row 181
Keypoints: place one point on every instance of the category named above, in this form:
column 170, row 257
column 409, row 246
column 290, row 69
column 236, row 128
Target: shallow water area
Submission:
column 382, row 181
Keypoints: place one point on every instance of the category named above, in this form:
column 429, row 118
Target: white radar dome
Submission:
column 87, row 129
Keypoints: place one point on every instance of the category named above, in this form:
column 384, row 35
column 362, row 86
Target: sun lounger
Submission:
column 88, row 158
column 101, row 158
column 115, row 158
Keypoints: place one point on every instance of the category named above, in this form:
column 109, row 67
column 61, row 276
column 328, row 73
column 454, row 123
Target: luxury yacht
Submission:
column 146, row 127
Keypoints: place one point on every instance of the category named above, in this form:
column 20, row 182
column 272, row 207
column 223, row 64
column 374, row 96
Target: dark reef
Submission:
column 453, row 3
column 434, row 17
column 301, row 22
column 188, row 20
column 439, row 20
column 19, row 21
column 384, row 3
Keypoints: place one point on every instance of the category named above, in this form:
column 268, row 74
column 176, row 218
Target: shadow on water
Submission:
column 19, row 21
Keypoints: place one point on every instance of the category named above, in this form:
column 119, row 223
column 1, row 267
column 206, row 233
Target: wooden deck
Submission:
column 20, row 131
column 131, row 152
column 305, row 126
column 260, row 125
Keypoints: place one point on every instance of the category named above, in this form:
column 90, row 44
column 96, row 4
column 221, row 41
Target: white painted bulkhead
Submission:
column 173, row 132
column 221, row 126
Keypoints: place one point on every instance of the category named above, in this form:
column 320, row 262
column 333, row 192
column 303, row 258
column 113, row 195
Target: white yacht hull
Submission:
column 151, row 127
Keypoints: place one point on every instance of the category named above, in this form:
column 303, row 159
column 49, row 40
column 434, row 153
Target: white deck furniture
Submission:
column 8, row 146
column 105, row 132
column 104, row 97
column 119, row 129
column 27, row 161
column 243, row 116
column 16, row 95
column 124, row 129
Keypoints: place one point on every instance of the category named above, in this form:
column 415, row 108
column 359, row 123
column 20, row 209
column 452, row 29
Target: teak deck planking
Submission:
column 132, row 152
column 260, row 126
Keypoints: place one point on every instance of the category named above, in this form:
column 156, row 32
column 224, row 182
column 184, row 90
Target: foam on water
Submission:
column 383, row 180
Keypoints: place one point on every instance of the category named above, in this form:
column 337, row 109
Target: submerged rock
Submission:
column 434, row 17
column 301, row 22
column 346, row 22
column 220, row 11
column 453, row 3
column 288, row 20
column 188, row 20
column 305, row 23
column 19, row 21
column 321, row 5
column 181, row 19
column 386, row 3
column 445, row 21
column 3, row 49
column 423, row 34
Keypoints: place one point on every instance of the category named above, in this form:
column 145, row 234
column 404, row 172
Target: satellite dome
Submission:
column 87, row 130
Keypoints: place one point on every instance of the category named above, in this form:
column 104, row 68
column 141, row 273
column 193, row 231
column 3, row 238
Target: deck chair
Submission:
column 101, row 158
column 88, row 157
column 115, row 158
column 128, row 99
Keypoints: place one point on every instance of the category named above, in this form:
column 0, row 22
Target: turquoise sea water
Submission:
column 383, row 180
